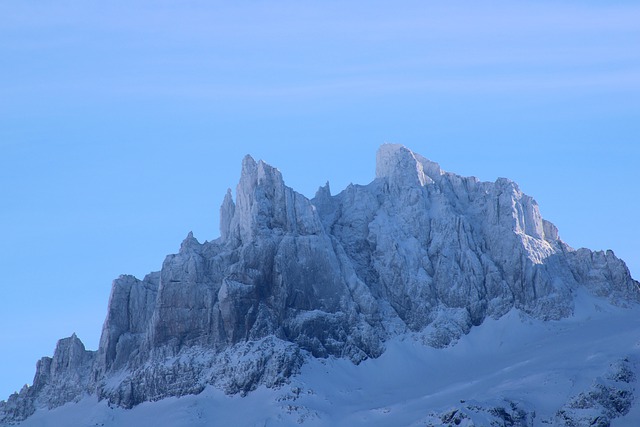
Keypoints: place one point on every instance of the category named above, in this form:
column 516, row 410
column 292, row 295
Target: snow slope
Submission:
column 537, row 365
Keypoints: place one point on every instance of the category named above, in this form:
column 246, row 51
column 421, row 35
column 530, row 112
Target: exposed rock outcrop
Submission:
column 59, row 379
column 416, row 250
column 609, row 397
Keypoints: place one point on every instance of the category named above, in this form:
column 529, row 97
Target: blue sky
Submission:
column 123, row 124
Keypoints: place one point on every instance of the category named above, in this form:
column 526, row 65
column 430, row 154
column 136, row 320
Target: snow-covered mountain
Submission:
column 372, row 287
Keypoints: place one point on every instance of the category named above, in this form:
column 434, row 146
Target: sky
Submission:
column 123, row 123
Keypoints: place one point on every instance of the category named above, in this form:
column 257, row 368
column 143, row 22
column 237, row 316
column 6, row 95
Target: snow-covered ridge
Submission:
column 417, row 251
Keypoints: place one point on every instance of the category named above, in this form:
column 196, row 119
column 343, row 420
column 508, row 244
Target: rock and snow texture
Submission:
column 512, row 371
column 417, row 251
column 58, row 380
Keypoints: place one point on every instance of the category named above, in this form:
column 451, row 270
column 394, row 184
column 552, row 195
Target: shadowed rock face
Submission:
column 58, row 380
column 418, row 249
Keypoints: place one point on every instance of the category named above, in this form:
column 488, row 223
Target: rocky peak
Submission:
column 402, row 167
column 189, row 243
column 324, row 192
column 69, row 355
column 416, row 251
column 264, row 205
column 227, row 211
column 58, row 380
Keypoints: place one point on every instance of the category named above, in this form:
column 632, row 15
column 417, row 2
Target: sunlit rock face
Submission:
column 418, row 250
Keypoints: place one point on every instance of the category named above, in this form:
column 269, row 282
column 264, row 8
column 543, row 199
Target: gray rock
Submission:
column 416, row 250
column 609, row 397
column 58, row 380
column 506, row 413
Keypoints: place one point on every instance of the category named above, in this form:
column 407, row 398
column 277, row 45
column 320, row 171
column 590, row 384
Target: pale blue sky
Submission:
column 122, row 125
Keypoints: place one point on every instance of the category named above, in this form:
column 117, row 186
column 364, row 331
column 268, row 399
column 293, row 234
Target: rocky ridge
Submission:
column 418, row 250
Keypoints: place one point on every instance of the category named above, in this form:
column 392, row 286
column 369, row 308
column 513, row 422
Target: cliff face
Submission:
column 59, row 379
column 417, row 250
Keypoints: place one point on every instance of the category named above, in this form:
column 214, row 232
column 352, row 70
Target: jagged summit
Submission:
column 401, row 166
column 417, row 251
column 265, row 205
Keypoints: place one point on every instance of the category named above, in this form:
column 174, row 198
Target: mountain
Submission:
column 418, row 254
